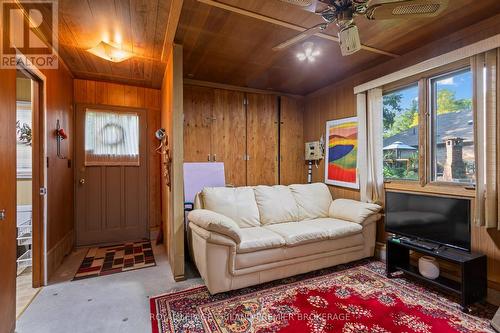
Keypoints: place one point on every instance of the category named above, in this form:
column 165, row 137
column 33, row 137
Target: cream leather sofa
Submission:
column 249, row 235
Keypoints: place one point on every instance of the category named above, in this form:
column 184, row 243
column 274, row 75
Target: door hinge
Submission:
column 43, row 191
column 47, row 162
column 245, row 101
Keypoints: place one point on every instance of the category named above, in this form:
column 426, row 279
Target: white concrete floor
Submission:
column 113, row 303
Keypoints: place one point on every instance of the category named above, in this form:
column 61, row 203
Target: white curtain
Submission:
column 111, row 138
column 370, row 158
column 486, row 126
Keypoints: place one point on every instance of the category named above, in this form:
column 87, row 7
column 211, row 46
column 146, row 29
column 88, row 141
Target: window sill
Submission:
column 432, row 188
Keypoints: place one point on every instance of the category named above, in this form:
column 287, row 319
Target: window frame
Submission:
column 425, row 184
column 432, row 105
column 393, row 88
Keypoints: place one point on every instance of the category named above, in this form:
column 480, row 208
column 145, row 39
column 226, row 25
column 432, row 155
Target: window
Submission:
column 452, row 130
column 400, row 112
column 23, row 129
column 111, row 138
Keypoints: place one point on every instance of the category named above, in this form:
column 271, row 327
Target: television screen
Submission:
column 437, row 219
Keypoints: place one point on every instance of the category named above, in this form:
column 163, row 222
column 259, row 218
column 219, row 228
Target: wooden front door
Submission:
column 111, row 175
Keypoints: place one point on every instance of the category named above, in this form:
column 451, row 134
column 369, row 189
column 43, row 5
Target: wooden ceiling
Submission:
column 140, row 25
column 227, row 47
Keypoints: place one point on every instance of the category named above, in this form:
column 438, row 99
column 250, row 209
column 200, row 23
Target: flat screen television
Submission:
column 441, row 220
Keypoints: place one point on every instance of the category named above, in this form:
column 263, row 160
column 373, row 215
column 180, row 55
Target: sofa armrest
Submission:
column 352, row 210
column 215, row 222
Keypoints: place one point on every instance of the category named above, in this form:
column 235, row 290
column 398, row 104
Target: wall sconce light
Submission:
column 110, row 52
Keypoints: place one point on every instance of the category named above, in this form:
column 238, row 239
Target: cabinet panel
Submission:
column 229, row 135
column 198, row 110
column 292, row 164
column 262, row 139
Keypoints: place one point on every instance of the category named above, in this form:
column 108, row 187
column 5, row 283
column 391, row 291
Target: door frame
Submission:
column 39, row 169
column 144, row 112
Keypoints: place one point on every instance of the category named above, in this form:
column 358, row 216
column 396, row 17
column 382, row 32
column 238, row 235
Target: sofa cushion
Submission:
column 258, row 238
column 313, row 200
column 352, row 210
column 236, row 203
column 343, row 245
column 297, row 233
column 276, row 204
column 334, row 227
column 212, row 221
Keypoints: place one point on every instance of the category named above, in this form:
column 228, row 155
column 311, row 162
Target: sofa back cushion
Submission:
column 313, row 200
column 276, row 204
column 236, row 203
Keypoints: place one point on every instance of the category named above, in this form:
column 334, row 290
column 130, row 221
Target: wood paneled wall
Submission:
column 103, row 93
column 338, row 101
column 173, row 185
column 247, row 137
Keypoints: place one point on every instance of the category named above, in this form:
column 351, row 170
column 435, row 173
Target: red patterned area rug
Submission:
column 353, row 298
column 112, row 259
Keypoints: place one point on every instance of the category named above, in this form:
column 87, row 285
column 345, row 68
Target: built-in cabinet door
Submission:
column 8, row 201
column 292, row 164
column 198, row 114
column 229, row 135
column 262, row 139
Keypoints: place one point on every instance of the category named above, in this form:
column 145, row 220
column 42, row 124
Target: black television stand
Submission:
column 473, row 281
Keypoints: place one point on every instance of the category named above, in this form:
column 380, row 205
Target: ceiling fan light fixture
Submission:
column 310, row 53
column 110, row 52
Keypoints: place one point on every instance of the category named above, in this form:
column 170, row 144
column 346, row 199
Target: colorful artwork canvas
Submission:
column 342, row 152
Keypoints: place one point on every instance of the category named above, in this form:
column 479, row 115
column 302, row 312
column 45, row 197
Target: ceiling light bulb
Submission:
column 301, row 56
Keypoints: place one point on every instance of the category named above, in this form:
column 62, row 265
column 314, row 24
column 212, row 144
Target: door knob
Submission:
column 2, row 214
column 82, row 181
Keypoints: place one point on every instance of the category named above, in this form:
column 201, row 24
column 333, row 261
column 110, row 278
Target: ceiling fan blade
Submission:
column 301, row 36
column 309, row 5
column 406, row 9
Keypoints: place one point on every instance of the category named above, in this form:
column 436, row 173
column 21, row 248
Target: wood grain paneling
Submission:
column 138, row 25
column 60, row 212
column 338, row 101
column 229, row 135
column 292, row 168
column 173, row 195
column 8, row 201
column 262, row 139
column 227, row 47
column 198, row 114
column 96, row 92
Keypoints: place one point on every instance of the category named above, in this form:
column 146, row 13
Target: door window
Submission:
column 111, row 138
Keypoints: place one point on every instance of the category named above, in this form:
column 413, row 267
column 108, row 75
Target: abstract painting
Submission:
column 342, row 152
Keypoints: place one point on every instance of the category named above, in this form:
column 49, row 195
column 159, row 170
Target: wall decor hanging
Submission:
column 342, row 152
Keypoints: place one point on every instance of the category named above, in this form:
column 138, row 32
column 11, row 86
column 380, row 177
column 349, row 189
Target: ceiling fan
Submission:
column 343, row 12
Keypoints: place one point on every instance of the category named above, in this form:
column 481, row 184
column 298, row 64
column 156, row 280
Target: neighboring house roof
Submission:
column 453, row 124
column 399, row 145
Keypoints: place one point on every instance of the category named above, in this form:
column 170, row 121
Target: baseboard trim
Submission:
column 56, row 254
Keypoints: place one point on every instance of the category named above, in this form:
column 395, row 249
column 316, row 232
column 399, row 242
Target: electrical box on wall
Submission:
column 313, row 151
